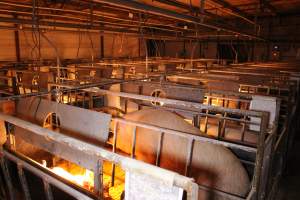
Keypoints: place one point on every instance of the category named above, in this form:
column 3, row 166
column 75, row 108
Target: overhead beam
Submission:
column 231, row 7
column 186, row 7
column 102, row 30
column 194, row 8
column 141, row 7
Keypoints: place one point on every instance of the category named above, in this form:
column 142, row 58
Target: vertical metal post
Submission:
column 48, row 190
column 91, row 103
column 2, row 190
column 98, row 179
column 114, row 150
column 159, row 147
column 15, row 86
column 243, row 128
column 206, row 117
column 23, row 181
column 133, row 142
column 259, row 155
column 196, row 121
column 223, row 130
column 219, row 127
column 76, row 98
column 190, row 148
column 140, row 92
column 7, row 178
column 11, row 138
column 83, row 100
column 126, row 105
column 2, row 184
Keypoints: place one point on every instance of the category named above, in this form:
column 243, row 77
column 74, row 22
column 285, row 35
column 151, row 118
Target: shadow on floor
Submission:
column 289, row 187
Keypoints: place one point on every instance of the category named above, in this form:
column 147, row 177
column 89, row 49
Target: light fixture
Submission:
column 130, row 15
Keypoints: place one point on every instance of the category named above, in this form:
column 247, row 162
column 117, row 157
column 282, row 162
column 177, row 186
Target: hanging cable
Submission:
column 92, row 47
column 79, row 44
column 235, row 52
column 145, row 43
column 58, row 63
column 27, row 44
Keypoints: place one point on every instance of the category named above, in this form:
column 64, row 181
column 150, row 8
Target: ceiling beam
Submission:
column 149, row 9
column 73, row 27
column 186, row 7
column 231, row 7
column 197, row 9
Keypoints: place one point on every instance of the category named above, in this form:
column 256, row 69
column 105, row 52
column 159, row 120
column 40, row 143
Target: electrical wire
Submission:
column 145, row 43
column 79, row 44
column 92, row 46
column 27, row 44
column 235, row 52
column 58, row 62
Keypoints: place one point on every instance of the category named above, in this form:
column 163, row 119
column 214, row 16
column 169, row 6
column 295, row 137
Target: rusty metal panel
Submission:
column 171, row 91
column 265, row 178
column 60, row 150
column 128, row 164
column 45, row 176
column 74, row 120
column 44, row 78
column 7, row 107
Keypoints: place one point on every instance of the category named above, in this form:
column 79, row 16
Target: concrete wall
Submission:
column 67, row 44
column 284, row 31
column 189, row 49
column 122, row 46
column 7, row 45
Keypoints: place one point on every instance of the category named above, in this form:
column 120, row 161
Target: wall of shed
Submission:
column 7, row 45
column 188, row 49
column 68, row 44
column 282, row 30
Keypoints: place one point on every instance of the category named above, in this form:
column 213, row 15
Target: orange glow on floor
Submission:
column 85, row 178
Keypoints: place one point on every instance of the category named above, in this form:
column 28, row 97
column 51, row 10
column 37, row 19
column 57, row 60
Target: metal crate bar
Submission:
column 46, row 178
column 168, row 177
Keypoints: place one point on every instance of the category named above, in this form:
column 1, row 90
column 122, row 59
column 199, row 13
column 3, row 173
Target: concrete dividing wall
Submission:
column 67, row 44
column 191, row 49
column 122, row 46
column 7, row 45
column 282, row 30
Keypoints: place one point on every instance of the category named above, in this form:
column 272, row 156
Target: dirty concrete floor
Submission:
column 289, row 188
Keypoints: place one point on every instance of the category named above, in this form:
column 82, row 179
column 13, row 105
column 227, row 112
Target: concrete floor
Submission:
column 289, row 188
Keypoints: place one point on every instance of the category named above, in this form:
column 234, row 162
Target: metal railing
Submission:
column 128, row 164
